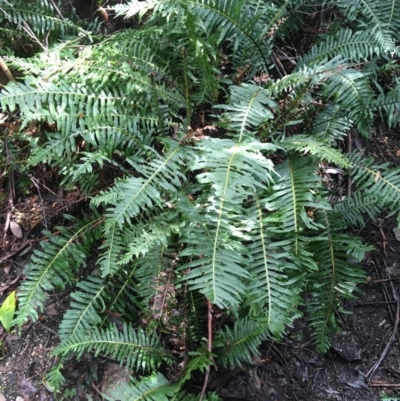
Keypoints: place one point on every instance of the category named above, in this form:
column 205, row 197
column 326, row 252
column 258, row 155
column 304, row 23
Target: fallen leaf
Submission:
column 16, row 229
column 6, row 269
column 7, row 311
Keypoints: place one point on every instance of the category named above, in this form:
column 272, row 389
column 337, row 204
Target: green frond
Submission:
column 351, row 90
column 350, row 46
column 275, row 282
column 336, row 279
column 131, row 195
column 241, row 343
column 330, row 124
column 134, row 7
column 249, row 107
column 55, row 265
column 382, row 14
column 134, row 348
column 234, row 172
column 85, row 310
column 297, row 189
column 40, row 16
column 321, row 149
column 388, row 105
column 123, row 296
column 69, row 105
column 354, row 209
column 379, row 181
column 54, row 377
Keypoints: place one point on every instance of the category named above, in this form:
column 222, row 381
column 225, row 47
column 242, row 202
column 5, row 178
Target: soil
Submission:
column 363, row 363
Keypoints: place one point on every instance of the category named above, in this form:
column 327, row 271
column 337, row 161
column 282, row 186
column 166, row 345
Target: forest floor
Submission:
column 363, row 363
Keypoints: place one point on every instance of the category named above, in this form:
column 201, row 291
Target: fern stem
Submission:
column 157, row 106
column 209, row 348
column 185, row 75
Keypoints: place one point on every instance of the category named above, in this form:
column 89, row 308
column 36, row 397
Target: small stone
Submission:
column 114, row 376
column 347, row 346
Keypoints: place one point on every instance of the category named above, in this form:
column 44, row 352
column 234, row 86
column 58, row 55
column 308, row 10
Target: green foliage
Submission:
column 236, row 210
column 7, row 311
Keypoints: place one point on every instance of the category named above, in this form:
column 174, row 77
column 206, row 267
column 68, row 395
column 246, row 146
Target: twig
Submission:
column 209, row 349
column 394, row 331
column 276, row 58
column 276, row 66
column 11, row 196
column 6, row 71
column 349, row 151
column 382, row 384
column 57, row 10
column 35, row 183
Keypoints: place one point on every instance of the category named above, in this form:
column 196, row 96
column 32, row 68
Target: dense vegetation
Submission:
column 208, row 136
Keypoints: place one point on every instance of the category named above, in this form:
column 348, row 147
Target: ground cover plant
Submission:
column 209, row 148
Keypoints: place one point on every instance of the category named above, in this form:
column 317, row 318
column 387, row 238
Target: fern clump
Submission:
column 236, row 217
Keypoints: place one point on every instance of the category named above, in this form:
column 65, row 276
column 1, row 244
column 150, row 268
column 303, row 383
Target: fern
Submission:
column 216, row 195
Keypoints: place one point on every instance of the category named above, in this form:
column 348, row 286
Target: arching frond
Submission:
column 132, row 347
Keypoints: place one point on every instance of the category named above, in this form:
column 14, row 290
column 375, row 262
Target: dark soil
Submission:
column 362, row 364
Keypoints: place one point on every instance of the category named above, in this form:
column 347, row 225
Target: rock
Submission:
column 114, row 376
column 347, row 346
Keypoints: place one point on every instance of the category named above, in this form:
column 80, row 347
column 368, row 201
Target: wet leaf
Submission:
column 16, row 229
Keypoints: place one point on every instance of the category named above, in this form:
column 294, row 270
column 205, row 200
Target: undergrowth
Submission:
column 219, row 135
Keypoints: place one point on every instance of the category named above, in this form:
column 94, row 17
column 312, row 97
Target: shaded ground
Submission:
column 363, row 363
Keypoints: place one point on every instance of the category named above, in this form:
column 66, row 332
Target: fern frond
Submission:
column 54, row 266
column 336, row 279
column 68, row 105
column 351, row 46
column 235, row 23
column 382, row 14
column 351, row 91
column 234, row 172
column 40, row 17
column 241, row 343
column 293, row 193
column 355, row 208
column 275, row 282
column 389, row 104
column 330, row 124
column 133, row 7
column 129, row 196
column 85, row 309
column 248, row 108
column 379, row 181
column 322, row 150
column 134, row 348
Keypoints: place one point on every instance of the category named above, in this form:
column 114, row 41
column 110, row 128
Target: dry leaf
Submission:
column 396, row 232
column 6, row 269
column 16, row 229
